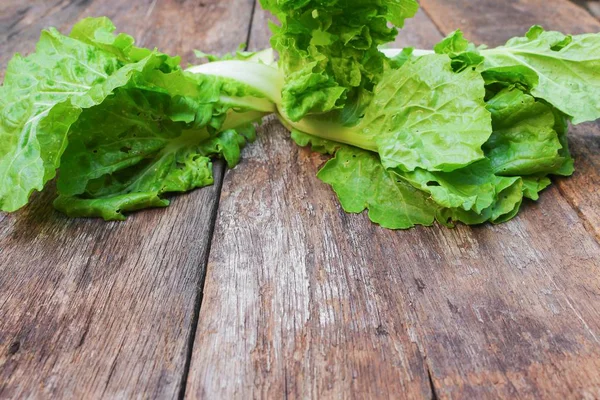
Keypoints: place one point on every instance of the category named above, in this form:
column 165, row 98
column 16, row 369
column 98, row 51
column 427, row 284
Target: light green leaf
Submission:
column 425, row 115
column 361, row 182
column 508, row 196
column 566, row 68
column 400, row 10
column 100, row 33
column 561, row 127
column 524, row 141
column 317, row 144
column 110, row 209
column 329, row 52
column 463, row 53
column 42, row 96
column 533, row 186
column 128, row 150
column 125, row 124
column 469, row 188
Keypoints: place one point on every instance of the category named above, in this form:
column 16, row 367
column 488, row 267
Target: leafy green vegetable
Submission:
column 361, row 182
column 329, row 52
column 417, row 118
column 126, row 124
column 42, row 96
column 141, row 152
column 533, row 186
column 566, row 68
column 426, row 116
column 469, row 188
column 460, row 134
column 429, row 125
column 524, row 141
column 463, row 53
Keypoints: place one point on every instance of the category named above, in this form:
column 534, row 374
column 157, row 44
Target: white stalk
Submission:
column 265, row 79
column 416, row 52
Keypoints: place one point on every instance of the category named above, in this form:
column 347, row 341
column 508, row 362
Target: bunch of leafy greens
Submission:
column 124, row 124
column 329, row 52
column 457, row 134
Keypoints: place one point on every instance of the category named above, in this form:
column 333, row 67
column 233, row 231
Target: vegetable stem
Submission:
column 265, row 79
column 330, row 130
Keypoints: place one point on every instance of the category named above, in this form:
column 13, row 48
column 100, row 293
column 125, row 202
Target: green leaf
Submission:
column 317, row 144
column 533, row 186
column 508, row 197
column 311, row 90
column 561, row 127
column 469, row 188
column 425, row 115
column 524, row 141
column 125, row 124
column 42, row 96
column 329, row 52
column 361, row 182
column 140, row 152
column 400, row 10
column 100, row 33
column 401, row 58
column 463, row 53
column 566, row 68
column 110, row 209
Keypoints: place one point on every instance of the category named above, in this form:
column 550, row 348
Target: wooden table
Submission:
column 261, row 287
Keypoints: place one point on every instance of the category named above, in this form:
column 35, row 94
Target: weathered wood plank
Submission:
column 499, row 22
column 479, row 20
column 583, row 189
column 304, row 300
column 285, row 312
column 90, row 309
column 21, row 22
column 418, row 31
column 594, row 7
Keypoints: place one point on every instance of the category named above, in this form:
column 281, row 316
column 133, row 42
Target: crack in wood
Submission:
column 220, row 172
column 198, row 304
column 249, row 33
column 434, row 395
column 585, row 221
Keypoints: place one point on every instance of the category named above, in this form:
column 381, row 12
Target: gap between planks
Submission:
column 222, row 170
column 219, row 170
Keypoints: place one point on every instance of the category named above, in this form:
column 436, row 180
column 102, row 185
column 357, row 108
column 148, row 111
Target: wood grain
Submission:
column 494, row 22
column 418, row 31
column 499, row 22
column 583, row 189
column 594, row 8
column 90, row 309
column 287, row 312
column 277, row 318
column 176, row 26
column 303, row 300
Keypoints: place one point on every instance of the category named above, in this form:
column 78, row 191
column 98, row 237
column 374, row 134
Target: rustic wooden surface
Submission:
column 300, row 299
column 91, row 309
column 594, row 7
